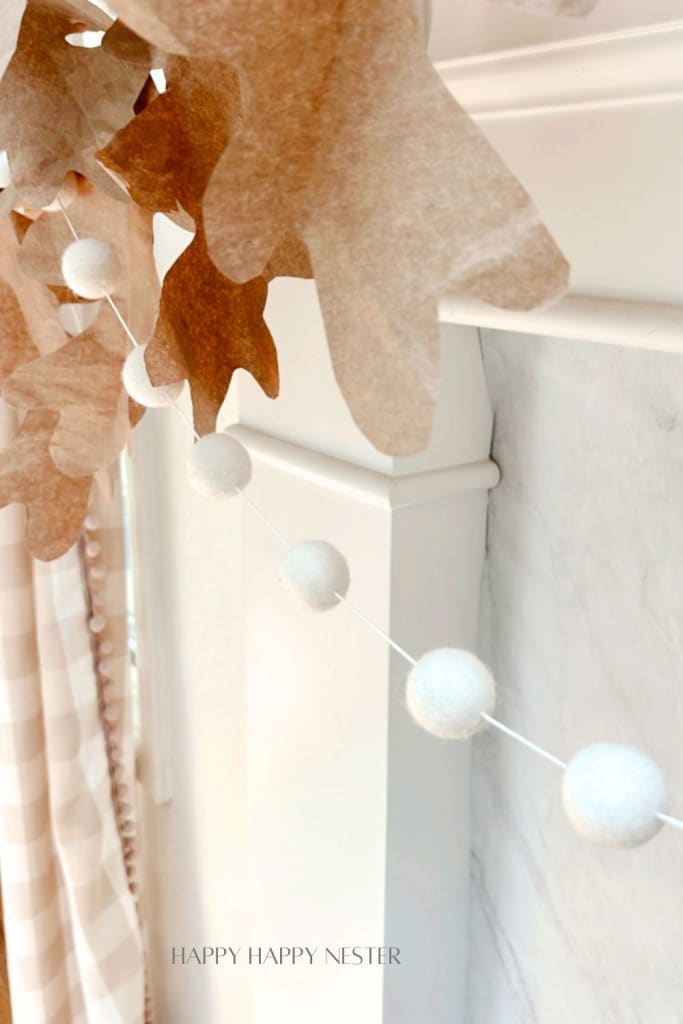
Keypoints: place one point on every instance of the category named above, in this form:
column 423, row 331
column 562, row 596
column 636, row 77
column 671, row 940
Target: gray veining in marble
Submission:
column 582, row 621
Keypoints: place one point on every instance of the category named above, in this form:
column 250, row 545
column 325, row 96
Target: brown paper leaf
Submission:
column 209, row 327
column 16, row 346
column 82, row 383
column 129, row 232
column 55, row 503
column 39, row 308
column 60, row 103
column 167, row 153
column 396, row 193
column 153, row 21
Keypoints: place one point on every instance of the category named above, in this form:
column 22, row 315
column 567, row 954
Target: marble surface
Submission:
column 582, row 621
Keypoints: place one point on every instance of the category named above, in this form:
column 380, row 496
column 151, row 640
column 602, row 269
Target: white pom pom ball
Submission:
column 140, row 388
column 218, row 465
column 447, row 691
column 90, row 268
column 315, row 572
column 612, row 795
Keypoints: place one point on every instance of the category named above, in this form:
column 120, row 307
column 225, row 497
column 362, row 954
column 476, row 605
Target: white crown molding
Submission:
column 364, row 485
column 637, row 66
column 644, row 325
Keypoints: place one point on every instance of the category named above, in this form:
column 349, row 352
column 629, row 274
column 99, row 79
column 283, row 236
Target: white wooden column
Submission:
column 289, row 798
column 358, row 821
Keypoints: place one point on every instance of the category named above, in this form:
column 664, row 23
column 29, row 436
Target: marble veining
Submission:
column 582, row 622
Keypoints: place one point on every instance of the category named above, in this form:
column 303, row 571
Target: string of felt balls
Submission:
column 613, row 795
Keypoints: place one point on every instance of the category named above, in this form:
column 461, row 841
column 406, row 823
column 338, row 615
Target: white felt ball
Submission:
column 218, row 465
column 612, row 795
column 447, row 691
column 315, row 572
column 90, row 268
column 140, row 388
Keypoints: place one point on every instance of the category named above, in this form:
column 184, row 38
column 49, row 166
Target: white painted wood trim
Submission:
column 544, row 85
column 643, row 325
column 637, row 66
column 365, row 485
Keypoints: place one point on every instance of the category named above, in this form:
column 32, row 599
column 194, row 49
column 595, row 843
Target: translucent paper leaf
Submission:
column 81, row 382
column 55, row 504
column 208, row 326
column 60, row 103
column 398, row 196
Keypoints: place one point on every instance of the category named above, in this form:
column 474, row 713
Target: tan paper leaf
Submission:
column 167, row 153
column 55, row 504
column 82, row 383
column 16, row 346
column 59, row 103
column 398, row 196
column 39, row 308
column 209, row 327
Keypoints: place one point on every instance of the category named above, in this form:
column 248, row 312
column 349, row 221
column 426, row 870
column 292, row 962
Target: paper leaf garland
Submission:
column 396, row 193
column 55, row 504
column 311, row 138
column 81, row 382
column 60, row 103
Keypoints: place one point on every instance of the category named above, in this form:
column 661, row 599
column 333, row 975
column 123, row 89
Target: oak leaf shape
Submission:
column 208, row 326
column 60, row 103
column 81, row 382
column 29, row 322
column 55, row 504
column 349, row 140
column 396, row 193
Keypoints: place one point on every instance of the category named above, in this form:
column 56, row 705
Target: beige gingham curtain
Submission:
column 67, row 831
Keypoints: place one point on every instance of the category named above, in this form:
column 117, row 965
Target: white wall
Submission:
column 462, row 28
column 581, row 619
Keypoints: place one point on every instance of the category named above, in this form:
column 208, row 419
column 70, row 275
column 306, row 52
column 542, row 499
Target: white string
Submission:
column 523, row 740
column 668, row 819
column 546, row 754
column 169, row 399
column 380, row 632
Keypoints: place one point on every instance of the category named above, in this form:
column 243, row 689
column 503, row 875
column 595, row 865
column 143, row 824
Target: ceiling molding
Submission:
column 646, row 325
column 638, row 66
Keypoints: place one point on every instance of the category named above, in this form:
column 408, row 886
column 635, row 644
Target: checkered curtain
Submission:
column 74, row 940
